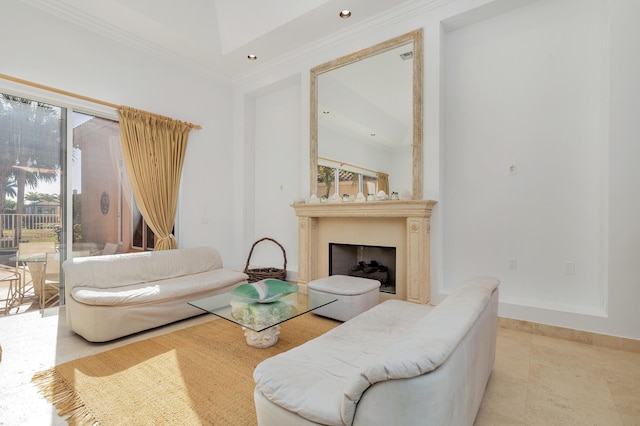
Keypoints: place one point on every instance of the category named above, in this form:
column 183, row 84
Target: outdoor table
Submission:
column 35, row 264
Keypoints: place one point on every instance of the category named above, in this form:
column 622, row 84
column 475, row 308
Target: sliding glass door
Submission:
column 100, row 211
column 74, row 205
column 32, row 147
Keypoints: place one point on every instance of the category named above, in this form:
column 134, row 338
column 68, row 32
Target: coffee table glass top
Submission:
column 260, row 316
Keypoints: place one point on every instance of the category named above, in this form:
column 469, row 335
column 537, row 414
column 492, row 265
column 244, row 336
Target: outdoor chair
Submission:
column 109, row 248
column 31, row 258
column 50, row 291
column 13, row 278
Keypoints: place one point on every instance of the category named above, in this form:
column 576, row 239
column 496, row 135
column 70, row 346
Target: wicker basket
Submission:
column 257, row 274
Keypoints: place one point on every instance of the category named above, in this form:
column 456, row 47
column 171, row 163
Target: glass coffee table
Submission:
column 260, row 321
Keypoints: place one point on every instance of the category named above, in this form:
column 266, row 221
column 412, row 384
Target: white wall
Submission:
column 550, row 87
column 275, row 177
column 41, row 48
column 526, row 88
column 623, row 274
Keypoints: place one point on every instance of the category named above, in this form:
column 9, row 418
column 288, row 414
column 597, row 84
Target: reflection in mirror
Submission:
column 366, row 121
column 348, row 180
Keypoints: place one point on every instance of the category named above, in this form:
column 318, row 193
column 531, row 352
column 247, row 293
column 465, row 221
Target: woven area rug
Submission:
column 202, row 375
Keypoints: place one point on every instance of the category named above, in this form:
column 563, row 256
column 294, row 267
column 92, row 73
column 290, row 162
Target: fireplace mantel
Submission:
column 416, row 215
column 412, row 208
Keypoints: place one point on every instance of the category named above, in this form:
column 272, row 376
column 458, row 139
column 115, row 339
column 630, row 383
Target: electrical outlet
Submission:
column 569, row 267
column 513, row 263
column 513, row 169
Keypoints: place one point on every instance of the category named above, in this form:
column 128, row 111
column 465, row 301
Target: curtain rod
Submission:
column 75, row 95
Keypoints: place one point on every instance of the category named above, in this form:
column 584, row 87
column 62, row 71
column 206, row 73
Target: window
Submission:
column 143, row 237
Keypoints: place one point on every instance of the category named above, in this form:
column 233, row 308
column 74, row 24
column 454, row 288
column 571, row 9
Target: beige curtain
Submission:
column 383, row 182
column 153, row 148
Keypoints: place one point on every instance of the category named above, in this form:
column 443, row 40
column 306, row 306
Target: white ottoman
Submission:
column 355, row 295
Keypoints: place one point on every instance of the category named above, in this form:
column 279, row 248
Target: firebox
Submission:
column 373, row 262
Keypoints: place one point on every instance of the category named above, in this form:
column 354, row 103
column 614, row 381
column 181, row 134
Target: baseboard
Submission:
column 586, row 337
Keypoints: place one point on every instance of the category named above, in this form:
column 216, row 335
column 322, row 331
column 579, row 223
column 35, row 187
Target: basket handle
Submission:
column 284, row 254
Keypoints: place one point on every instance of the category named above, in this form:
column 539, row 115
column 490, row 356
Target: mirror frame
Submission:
column 415, row 37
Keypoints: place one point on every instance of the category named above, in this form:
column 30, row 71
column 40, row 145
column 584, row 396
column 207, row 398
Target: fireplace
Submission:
column 364, row 261
column 400, row 224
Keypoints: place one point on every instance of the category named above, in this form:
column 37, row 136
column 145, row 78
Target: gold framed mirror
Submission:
column 366, row 116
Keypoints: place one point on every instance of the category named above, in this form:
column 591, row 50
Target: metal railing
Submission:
column 22, row 228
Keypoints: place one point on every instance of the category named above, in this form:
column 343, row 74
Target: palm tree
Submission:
column 326, row 175
column 9, row 189
column 10, row 186
column 30, row 146
column 33, row 196
column 49, row 197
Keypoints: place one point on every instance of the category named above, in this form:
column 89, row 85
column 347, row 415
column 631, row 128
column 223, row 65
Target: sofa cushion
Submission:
column 157, row 290
column 136, row 268
column 324, row 367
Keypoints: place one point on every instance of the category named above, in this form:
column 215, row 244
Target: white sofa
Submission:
column 398, row 363
column 112, row 296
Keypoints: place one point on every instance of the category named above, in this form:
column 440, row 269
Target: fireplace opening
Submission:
column 373, row 262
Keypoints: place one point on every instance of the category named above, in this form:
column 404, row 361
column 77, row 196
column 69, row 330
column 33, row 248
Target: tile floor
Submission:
column 541, row 380
column 536, row 380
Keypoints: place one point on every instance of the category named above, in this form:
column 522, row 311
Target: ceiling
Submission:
column 215, row 36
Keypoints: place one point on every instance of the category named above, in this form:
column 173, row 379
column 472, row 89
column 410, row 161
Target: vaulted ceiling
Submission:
column 215, row 36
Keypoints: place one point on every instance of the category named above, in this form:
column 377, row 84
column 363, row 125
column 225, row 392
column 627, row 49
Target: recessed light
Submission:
column 344, row 14
column 252, row 57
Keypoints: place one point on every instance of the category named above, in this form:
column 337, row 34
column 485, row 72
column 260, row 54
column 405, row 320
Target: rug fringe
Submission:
column 58, row 392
